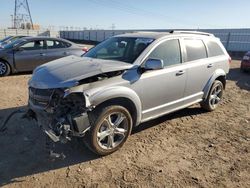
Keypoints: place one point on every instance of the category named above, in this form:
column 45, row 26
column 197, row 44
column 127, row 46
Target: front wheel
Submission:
column 4, row 68
column 214, row 96
column 110, row 128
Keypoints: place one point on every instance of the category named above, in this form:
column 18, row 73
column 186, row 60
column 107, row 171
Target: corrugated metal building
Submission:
column 234, row 40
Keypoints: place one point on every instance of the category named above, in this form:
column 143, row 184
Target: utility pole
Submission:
column 12, row 21
column 22, row 17
column 113, row 26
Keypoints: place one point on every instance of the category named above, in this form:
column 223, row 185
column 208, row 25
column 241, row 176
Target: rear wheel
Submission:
column 4, row 68
column 110, row 128
column 214, row 96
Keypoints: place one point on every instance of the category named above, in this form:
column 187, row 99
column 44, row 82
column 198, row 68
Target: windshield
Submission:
column 6, row 38
column 13, row 44
column 125, row 49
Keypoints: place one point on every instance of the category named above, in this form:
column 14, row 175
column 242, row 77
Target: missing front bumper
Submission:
column 59, row 128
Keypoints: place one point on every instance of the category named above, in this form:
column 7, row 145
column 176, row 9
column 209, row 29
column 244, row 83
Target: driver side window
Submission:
column 168, row 51
column 33, row 45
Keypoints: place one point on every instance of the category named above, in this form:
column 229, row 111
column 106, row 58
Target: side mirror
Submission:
column 154, row 64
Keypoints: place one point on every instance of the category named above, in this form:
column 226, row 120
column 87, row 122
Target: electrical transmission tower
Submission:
column 22, row 17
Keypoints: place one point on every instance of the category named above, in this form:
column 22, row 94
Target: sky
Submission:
column 134, row 14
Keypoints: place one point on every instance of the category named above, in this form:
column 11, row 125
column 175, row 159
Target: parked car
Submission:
column 4, row 39
column 9, row 39
column 245, row 63
column 27, row 53
column 124, row 81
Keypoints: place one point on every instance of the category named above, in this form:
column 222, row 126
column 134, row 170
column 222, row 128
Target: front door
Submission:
column 163, row 90
column 30, row 55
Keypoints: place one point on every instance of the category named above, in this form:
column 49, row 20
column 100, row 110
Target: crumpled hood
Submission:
column 66, row 72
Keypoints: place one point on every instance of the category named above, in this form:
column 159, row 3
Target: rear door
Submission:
column 199, row 68
column 57, row 49
column 30, row 55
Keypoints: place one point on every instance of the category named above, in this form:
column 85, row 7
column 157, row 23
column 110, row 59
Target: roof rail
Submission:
column 192, row 32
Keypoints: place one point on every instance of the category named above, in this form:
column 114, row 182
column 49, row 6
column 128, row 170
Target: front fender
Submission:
column 217, row 73
column 116, row 92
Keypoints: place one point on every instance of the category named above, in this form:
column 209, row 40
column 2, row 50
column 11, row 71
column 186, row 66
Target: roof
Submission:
column 153, row 35
column 156, row 35
column 44, row 38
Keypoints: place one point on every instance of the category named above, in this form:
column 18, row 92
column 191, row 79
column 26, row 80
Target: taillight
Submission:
column 85, row 49
column 229, row 60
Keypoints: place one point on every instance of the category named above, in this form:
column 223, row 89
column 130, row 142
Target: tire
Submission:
column 214, row 96
column 4, row 68
column 110, row 128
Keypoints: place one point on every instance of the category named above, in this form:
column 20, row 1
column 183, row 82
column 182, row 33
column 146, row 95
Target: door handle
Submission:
column 65, row 53
column 42, row 54
column 181, row 72
column 210, row 65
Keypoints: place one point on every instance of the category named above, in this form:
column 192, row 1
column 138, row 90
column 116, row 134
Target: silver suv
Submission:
column 124, row 81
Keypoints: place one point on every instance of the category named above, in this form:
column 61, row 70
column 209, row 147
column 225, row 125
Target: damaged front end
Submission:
column 59, row 112
column 57, row 99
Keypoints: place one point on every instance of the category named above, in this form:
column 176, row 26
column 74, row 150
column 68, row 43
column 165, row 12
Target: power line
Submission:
column 143, row 12
column 136, row 11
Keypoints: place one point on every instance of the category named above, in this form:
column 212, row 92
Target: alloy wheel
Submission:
column 216, row 95
column 3, row 68
column 113, row 130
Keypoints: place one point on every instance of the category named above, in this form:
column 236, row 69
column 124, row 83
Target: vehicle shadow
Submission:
column 21, row 73
column 187, row 112
column 242, row 79
column 24, row 151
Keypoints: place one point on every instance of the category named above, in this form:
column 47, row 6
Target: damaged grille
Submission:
column 40, row 97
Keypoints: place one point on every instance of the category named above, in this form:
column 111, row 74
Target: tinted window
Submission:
column 5, row 39
column 13, row 44
column 66, row 44
column 195, row 49
column 33, row 45
column 168, row 51
column 214, row 49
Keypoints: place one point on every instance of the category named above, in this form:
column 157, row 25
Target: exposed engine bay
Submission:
column 60, row 113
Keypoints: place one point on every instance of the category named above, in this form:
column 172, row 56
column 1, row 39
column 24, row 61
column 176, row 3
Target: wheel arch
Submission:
column 118, row 96
column 220, row 75
column 122, row 101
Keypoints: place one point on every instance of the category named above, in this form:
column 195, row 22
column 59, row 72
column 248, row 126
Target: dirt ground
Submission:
column 189, row 148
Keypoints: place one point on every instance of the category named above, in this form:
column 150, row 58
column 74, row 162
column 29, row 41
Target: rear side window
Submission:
column 214, row 49
column 52, row 44
column 195, row 49
column 66, row 44
column 168, row 51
